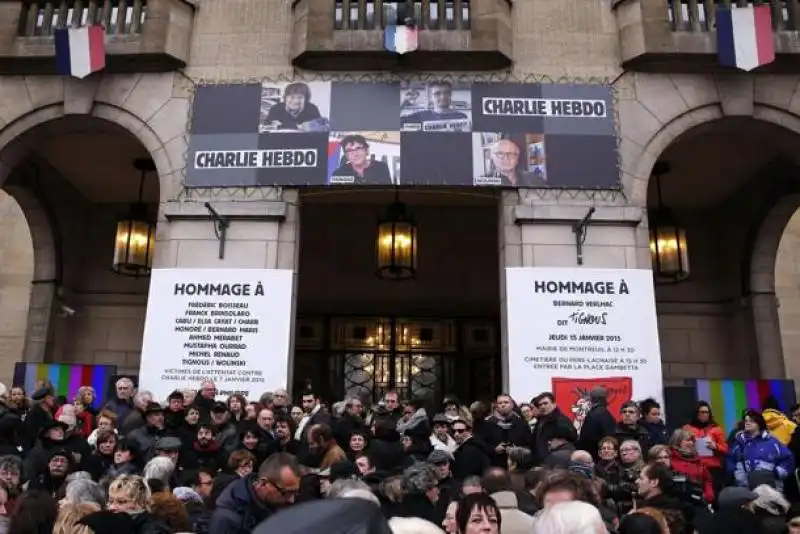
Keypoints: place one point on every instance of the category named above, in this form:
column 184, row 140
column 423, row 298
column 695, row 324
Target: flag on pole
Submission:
column 80, row 51
column 744, row 36
column 401, row 39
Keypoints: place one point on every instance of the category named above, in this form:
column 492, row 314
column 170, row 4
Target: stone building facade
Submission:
column 728, row 136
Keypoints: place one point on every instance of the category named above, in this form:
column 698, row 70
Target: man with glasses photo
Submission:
column 248, row 501
column 358, row 167
column 507, row 166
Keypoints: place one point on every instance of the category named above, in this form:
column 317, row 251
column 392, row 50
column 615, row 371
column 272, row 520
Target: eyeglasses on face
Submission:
column 459, row 430
column 285, row 492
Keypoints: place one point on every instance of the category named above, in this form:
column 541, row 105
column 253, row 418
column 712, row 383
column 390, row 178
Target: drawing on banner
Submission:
column 567, row 325
column 510, row 160
column 435, row 107
column 295, row 107
column 364, row 158
column 573, row 395
column 230, row 326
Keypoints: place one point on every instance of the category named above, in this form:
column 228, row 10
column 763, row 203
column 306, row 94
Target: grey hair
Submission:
column 471, row 481
column 413, row 525
column 82, row 491
column 351, row 489
column 138, row 399
column 519, row 455
column 11, row 463
column 574, row 517
column 124, row 381
column 160, row 468
column 78, row 475
column 339, row 407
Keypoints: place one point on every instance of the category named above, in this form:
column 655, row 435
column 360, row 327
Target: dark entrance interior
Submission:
column 434, row 335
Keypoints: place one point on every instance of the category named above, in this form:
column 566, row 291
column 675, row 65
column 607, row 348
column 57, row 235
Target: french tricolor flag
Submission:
column 80, row 51
column 401, row 39
column 744, row 36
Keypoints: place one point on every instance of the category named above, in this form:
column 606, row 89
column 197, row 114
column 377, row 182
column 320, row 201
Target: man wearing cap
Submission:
column 736, row 513
column 440, row 437
column 143, row 439
column 39, row 415
column 224, row 429
column 59, row 465
column 51, row 438
column 562, row 445
column 448, row 486
column 598, row 423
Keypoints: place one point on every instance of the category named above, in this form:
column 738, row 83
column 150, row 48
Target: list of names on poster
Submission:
column 216, row 337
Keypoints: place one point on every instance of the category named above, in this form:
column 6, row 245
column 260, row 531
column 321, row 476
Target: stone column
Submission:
column 40, row 311
column 538, row 232
column 768, row 335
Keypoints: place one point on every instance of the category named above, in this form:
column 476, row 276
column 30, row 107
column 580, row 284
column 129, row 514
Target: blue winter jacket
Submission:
column 762, row 452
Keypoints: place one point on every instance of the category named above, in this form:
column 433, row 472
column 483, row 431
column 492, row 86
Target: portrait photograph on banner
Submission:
column 295, row 107
column 369, row 158
column 435, row 107
column 441, row 133
column 509, row 160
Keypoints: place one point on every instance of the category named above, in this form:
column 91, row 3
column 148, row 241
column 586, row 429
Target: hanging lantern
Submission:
column 135, row 240
column 668, row 247
column 397, row 244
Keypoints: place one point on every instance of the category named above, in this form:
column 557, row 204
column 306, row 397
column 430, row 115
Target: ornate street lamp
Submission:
column 136, row 236
column 396, row 247
column 668, row 248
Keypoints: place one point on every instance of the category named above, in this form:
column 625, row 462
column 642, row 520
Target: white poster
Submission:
column 231, row 326
column 570, row 329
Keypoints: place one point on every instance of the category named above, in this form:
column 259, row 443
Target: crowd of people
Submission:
column 194, row 464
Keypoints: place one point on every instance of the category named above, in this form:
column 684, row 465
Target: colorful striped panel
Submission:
column 729, row 398
column 66, row 378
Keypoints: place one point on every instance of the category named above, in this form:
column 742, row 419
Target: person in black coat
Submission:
column 598, row 424
column 39, row 415
column 630, row 427
column 205, row 451
column 548, row 423
column 385, row 450
column 505, row 428
column 473, row 455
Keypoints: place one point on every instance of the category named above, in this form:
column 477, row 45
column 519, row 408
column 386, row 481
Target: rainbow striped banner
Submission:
column 66, row 378
column 729, row 398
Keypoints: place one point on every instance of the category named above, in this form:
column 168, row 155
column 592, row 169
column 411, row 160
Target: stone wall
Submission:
column 787, row 289
column 16, row 273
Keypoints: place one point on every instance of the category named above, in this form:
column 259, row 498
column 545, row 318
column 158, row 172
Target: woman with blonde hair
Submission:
column 69, row 516
column 131, row 495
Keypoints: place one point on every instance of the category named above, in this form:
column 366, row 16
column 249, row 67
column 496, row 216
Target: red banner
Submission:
column 572, row 395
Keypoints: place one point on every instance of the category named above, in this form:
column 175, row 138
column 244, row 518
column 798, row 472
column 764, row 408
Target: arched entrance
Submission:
column 73, row 177
column 726, row 176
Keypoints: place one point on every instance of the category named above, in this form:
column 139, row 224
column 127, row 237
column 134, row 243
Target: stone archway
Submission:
column 154, row 112
column 45, row 273
column 765, row 299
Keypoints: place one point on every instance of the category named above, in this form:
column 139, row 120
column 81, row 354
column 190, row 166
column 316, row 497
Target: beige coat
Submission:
column 513, row 521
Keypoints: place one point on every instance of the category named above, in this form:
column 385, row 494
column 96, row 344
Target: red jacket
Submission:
column 715, row 434
column 694, row 470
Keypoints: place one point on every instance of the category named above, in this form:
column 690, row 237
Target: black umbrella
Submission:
column 331, row 516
